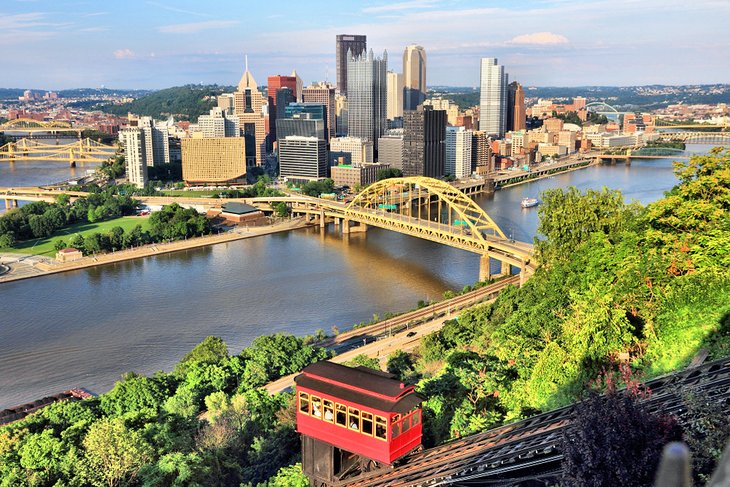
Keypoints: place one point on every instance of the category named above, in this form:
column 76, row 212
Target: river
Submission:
column 86, row 328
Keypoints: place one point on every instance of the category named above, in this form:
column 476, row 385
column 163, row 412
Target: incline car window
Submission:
column 329, row 411
column 367, row 423
column 316, row 407
column 381, row 426
column 341, row 415
column 354, row 419
column 304, row 403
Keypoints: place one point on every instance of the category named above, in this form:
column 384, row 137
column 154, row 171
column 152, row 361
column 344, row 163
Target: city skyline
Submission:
column 156, row 44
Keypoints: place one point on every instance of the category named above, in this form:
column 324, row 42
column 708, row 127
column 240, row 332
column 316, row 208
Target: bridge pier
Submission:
column 347, row 228
column 485, row 272
column 506, row 269
column 322, row 222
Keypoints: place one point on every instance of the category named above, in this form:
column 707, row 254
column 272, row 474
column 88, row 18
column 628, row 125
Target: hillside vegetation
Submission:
column 617, row 282
column 181, row 102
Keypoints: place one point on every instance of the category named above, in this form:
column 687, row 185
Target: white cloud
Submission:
column 401, row 6
column 193, row 27
column 124, row 54
column 178, row 10
column 539, row 39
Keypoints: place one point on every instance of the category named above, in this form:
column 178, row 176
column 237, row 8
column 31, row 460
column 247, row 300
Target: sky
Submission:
column 152, row 44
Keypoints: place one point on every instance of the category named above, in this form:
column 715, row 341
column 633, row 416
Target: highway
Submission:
column 373, row 342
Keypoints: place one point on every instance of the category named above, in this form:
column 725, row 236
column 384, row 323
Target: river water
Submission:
column 86, row 328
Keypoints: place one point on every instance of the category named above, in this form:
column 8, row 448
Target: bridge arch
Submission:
column 608, row 109
column 400, row 193
column 26, row 123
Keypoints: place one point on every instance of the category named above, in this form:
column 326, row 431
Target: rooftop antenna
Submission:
column 246, row 57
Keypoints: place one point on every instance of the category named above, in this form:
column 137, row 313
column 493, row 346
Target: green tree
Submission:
column 389, row 173
column 569, row 217
column 63, row 200
column 7, row 240
column 365, row 361
column 272, row 356
column 116, row 452
column 41, row 453
column 211, row 350
column 291, row 476
column 282, row 209
column 77, row 241
column 40, row 226
column 134, row 393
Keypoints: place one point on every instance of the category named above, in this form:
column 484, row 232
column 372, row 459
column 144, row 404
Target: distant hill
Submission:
column 182, row 102
column 95, row 92
column 14, row 93
column 622, row 97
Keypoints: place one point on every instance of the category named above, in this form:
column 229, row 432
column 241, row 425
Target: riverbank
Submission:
column 550, row 172
column 29, row 266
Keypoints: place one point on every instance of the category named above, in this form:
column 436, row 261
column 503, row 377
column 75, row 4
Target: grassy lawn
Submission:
column 45, row 246
column 191, row 194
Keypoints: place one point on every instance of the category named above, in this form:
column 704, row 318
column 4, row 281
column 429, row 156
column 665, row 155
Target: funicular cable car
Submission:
column 353, row 420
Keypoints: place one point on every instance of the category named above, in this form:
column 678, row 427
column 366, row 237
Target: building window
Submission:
column 367, row 423
column 416, row 417
column 304, row 403
column 341, row 415
column 406, row 424
column 354, row 419
column 381, row 428
column 329, row 411
column 317, row 407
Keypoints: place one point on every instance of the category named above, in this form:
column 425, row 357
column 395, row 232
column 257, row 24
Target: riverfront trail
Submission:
column 26, row 267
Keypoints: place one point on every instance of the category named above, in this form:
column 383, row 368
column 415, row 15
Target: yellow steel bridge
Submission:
column 417, row 206
column 420, row 207
column 83, row 151
column 27, row 125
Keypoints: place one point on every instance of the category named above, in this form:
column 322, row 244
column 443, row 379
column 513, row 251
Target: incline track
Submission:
column 530, row 449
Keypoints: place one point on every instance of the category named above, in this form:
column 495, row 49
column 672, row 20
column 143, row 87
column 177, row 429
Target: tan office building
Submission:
column 219, row 160
column 414, row 76
column 325, row 94
column 356, row 175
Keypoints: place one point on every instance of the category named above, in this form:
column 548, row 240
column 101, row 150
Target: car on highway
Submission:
column 411, row 334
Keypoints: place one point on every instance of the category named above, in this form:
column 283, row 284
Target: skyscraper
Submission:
column 356, row 44
column 299, row 85
column 302, row 158
column 323, row 93
column 275, row 84
column 304, row 119
column 458, row 152
column 414, row 76
column 133, row 141
column 248, row 104
column 219, row 123
column 424, row 142
column 492, row 97
column 367, row 96
column 395, row 95
column 481, row 153
column 515, row 107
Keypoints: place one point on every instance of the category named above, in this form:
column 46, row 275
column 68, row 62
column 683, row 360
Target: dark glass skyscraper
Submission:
column 356, row 44
column 424, row 142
